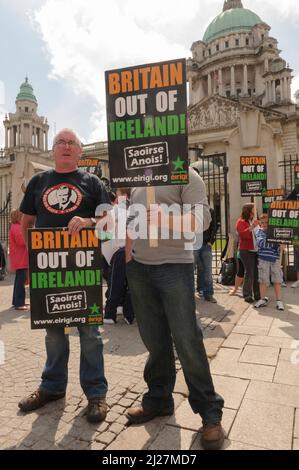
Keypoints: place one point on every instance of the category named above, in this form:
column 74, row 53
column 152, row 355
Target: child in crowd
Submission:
column 269, row 264
column 114, row 252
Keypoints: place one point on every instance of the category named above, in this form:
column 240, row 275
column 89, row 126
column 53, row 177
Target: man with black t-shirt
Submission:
column 67, row 197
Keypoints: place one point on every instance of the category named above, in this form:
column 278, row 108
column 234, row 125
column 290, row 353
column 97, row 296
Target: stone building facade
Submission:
column 240, row 101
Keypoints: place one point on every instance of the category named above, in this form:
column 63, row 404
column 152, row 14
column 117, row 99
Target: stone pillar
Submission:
column 47, row 148
column 232, row 81
column 11, row 137
column 220, row 82
column 245, row 80
column 273, row 92
column 209, row 84
column 6, row 137
column 266, row 64
column 289, row 88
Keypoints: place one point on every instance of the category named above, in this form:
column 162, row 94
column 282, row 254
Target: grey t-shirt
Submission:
column 170, row 250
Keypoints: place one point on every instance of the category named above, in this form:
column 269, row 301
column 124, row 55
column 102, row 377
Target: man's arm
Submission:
column 28, row 221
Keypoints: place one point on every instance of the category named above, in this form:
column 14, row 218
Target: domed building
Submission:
column 240, row 105
column 26, row 146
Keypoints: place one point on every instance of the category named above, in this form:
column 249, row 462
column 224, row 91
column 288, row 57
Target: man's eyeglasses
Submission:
column 71, row 143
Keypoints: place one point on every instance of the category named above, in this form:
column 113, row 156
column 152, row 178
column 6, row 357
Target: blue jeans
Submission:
column 203, row 262
column 164, row 306
column 18, row 298
column 118, row 292
column 55, row 373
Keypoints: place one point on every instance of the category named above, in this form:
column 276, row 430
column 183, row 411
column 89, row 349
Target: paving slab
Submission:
column 236, row 341
column 278, row 394
column 264, row 425
column 271, row 341
column 260, row 355
column 172, row 438
column 287, row 373
column 296, row 427
column 226, row 364
column 231, row 389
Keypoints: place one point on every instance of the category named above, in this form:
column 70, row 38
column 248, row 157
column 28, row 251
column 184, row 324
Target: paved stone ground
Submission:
column 252, row 370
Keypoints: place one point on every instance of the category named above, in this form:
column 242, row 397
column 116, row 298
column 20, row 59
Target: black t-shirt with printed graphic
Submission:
column 55, row 198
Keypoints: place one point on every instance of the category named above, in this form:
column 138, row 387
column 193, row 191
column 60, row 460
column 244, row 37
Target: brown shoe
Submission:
column 96, row 410
column 212, row 437
column 37, row 400
column 139, row 415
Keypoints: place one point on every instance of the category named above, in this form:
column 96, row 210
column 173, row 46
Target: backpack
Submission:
column 228, row 272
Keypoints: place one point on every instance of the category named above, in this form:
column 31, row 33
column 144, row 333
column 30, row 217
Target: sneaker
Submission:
column 284, row 284
column 279, row 305
column 96, row 410
column 295, row 285
column 109, row 321
column 120, row 310
column 212, row 436
column 38, row 399
column 210, row 298
column 262, row 303
column 138, row 414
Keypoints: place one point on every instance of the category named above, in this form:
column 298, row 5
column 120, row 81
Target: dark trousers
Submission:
column 18, row 298
column 118, row 290
column 164, row 305
column 251, row 284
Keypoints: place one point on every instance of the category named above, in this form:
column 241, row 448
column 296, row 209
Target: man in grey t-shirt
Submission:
column 161, row 282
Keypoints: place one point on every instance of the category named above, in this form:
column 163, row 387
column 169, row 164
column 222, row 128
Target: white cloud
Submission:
column 86, row 39
column 83, row 38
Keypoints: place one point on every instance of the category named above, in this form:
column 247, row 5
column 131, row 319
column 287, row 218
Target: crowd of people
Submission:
column 154, row 286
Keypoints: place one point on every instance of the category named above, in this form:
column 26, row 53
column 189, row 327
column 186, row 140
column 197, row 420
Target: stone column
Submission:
column 11, row 137
column 6, row 137
column 232, row 81
column 47, row 148
column 209, row 84
column 266, row 64
column 289, row 89
column 273, row 92
column 245, row 80
column 220, row 82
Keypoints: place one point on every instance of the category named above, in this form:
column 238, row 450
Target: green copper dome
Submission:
column 231, row 21
column 26, row 92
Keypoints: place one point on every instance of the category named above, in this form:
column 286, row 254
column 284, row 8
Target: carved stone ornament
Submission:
column 213, row 114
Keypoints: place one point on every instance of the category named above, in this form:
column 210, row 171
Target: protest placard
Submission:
column 90, row 165
column 272, row 195
column 297, row 178
column 253, row 173
column 65, row 278
column 147, row 125
column 283, row 225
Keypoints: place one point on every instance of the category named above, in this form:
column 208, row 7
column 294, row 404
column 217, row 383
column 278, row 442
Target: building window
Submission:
column 26, row 109
column 237, row 42
column 239, row 92
column 263, row 36
column 247, row 41
column 217, row 47
column 210, row 52
column 228, row 94
column 226, row 44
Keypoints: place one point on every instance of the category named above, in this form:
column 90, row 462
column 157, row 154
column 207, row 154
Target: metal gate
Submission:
column 288, row 167
column 214, row 171
column 4, row 220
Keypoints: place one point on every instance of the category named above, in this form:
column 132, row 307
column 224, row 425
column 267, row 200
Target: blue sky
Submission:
column 64, row 46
